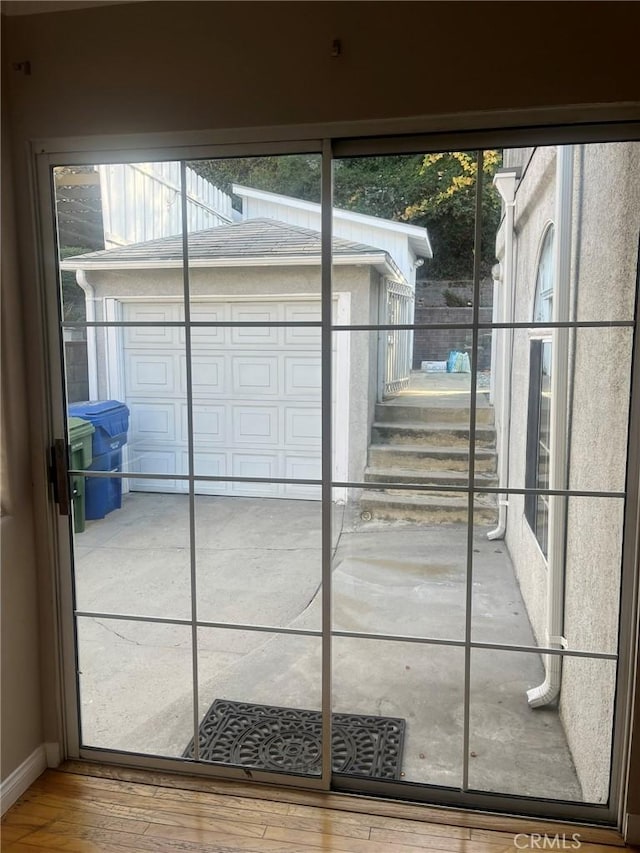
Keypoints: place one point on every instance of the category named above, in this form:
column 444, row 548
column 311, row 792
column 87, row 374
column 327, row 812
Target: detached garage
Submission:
column 256, row 389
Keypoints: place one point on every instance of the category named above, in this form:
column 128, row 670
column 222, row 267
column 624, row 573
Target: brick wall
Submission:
column 452, row 293
column 436, row 344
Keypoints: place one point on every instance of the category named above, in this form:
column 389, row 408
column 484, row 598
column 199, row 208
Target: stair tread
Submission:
column 432, row 426
column 431, row 500
column 423, row 475
column 453, row 449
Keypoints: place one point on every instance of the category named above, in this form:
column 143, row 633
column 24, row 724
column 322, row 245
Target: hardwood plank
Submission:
column 41, row 813
column 71, row 813
column 339, row 801
column 439, row 843
column 140, row 789
column 396, row 824
column 222, row 799
column 311, row 840
column 86, row 839
column 10, row 833
column 192, row 814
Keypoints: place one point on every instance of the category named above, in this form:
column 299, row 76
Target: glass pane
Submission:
column 397, row 569
column 418, row 434
column 260, row 700
column 260, row 260
column 410, row 219
column 558, row 751
column 259, row 559
column 256, row 403
column 135, row 560
column 598, row 380
column 138, row 406
column 412, row 698
column 257, row 387
column 602, row 250
column 135, row 686
column 118, row 228
column 511, row 577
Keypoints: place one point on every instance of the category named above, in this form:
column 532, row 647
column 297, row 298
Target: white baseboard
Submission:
column 26, row 774
column 52, row 752
column 632, row 828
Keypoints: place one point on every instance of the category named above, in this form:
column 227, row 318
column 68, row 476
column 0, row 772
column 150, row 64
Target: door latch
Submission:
column 59, row 475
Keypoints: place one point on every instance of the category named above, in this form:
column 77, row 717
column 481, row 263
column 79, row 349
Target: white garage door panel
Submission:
column 207, row 375
column 209, row 424
column 206, row 337
column 209, row 465
column 256, row 397
column 303, row 427
column 255, row 425
column 153, row 462
column 255, row 375
column 153, row 421
column 150, row 374
column 303, row 376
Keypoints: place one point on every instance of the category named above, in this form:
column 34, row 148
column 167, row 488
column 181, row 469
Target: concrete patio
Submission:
column 259, row 562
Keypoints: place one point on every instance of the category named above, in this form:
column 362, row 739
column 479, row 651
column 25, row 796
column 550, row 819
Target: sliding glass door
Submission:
column 348, row 466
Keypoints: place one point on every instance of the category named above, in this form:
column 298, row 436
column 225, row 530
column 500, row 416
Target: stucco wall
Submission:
column 361, row 284
column 534, row 210
column 605, row 221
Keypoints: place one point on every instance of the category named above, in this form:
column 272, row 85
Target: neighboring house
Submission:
column 256, row 390
column 141, row 201
column 568, row 249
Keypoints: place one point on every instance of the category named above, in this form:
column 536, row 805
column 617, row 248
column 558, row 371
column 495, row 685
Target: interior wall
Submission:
column 20, row 708
column 169, row 66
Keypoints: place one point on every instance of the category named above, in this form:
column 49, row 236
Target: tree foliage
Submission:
column 437, row 191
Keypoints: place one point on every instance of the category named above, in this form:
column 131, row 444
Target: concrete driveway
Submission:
column 259, row 563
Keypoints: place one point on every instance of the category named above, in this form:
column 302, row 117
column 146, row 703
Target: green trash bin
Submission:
column 80, row 457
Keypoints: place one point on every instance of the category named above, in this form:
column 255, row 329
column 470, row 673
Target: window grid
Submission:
column 327, row 484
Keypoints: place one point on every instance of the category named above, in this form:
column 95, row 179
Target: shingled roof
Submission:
column 244, row 241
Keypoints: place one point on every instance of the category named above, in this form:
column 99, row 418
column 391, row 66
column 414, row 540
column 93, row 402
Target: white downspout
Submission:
column 92, row 341
column 496, row 315
column 505, row 181
column 550, row 688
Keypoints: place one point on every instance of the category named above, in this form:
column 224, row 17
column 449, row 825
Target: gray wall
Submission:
column 606, row 218
column 100, row 86
column 20, row 693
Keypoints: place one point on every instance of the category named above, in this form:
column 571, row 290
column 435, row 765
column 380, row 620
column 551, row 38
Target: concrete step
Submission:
column 432, row 434
column 420, row 458
column 389, row 413
column 426, row 477
column 377, row 505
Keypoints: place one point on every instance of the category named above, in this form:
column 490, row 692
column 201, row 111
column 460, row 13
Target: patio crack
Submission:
column 128, row 640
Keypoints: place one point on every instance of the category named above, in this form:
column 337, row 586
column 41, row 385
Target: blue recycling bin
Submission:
column 110, row 419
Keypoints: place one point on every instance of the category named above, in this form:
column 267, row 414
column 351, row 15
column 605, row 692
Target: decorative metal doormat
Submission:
column 267, row 737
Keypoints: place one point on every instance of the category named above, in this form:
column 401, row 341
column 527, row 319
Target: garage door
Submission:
column 256, row 396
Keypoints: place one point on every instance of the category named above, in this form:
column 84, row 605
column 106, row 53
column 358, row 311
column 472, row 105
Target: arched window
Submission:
column 539, row 415
column 543, row 305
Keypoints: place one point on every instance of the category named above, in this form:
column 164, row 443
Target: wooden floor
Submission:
column 81, row 813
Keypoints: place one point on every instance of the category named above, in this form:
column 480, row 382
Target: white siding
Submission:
column 397, row 245
column 141, row 201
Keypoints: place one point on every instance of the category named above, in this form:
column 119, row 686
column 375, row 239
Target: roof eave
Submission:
column 380, row 260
